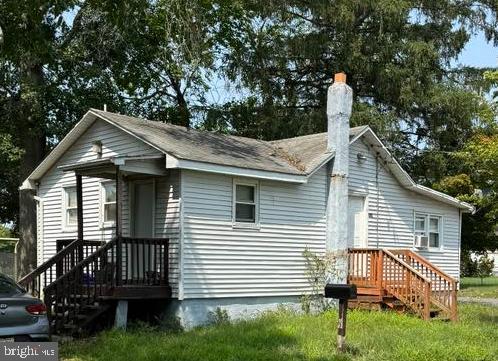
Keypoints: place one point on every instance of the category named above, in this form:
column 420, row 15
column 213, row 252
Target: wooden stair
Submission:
column 403, row 281
column 78, row 319
column 81, row 283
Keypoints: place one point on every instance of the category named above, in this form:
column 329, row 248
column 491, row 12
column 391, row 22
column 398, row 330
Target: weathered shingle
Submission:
column 310, row 149
column 298, row 155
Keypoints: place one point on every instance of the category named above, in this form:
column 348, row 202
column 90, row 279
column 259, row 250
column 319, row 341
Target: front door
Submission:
column 143, row 209
column 357, row 228
column 142, row 226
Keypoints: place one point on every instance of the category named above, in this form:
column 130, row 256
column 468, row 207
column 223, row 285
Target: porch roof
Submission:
column 106, row 167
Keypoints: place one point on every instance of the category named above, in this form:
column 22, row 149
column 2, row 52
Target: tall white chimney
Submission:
column 339, row 104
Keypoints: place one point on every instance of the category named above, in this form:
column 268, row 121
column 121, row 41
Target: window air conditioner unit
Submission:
column 421, row 241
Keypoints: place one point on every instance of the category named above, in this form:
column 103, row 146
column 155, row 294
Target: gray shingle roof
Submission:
column 311, row 149
column 297, row 156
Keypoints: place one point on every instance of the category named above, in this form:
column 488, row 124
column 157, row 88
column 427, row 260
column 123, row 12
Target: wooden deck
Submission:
column 79, row 281
column 401, row 280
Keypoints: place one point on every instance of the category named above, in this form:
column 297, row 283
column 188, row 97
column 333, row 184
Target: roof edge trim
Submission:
column 172, row 163
column 405, row 179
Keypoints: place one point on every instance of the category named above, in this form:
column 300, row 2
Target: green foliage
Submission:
column 485, row 266
column 478, row 159
column 396, row 55
column 5, row 232
column 6, row 246
column 58, row 59
column 456, row 185
column 480, row 266
column 468, row 266
column 10, row 156
column 319, row 269
column 219, row 316
column 170, row 324
column 287, row 336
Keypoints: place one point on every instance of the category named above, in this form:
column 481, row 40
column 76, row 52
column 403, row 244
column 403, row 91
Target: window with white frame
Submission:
column 70, row 212
column 108, row 203
column 430, row 226
column 245, row 203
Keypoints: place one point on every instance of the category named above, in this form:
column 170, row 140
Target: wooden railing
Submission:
column 444, row 287
column 58, row 265
column 365, row 266
column 120, row 262
column 406, row 284
column 382, row 269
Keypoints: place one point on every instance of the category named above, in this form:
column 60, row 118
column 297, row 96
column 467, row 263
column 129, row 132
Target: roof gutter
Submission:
column 172, row 163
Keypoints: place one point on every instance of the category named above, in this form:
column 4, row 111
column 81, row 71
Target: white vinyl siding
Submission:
column 167, row 220
column 220, row 260
column 392, row 208
column 114, row 142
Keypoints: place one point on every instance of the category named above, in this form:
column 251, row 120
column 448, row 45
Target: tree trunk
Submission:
column 26, row 249
column 183, row 110
column 33, row 141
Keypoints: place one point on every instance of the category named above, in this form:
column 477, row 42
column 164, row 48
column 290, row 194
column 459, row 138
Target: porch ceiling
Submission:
column 106, row 167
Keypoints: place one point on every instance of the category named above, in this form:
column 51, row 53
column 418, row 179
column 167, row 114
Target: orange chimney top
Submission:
column 340, row 77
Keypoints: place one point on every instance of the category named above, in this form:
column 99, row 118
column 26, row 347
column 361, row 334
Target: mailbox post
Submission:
column 343, row 293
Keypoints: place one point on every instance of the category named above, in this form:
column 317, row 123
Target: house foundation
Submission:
column 196, row 312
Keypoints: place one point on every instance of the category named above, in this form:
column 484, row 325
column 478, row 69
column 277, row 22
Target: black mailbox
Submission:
column 340, row 291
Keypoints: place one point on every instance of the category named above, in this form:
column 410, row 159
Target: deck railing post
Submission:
column 427, row 301
column 380, row 268
column 409, row 283
column 79, row 214
column 454, row 312
column 119, row 246
column 119, row 261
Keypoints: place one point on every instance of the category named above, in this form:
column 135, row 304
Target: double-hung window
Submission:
column 108, row 203
column 420, row 221
column 245, row 203
column 70, row 212
column 434, row 231
column 430, row 226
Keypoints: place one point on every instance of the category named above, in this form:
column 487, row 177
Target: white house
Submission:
column 238, row 212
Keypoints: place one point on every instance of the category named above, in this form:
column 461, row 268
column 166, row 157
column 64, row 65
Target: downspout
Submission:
column 339, row 104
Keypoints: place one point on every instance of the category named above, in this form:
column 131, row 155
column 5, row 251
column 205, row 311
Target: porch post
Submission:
column 79, row 204
column 119, row 253
column 79, row 213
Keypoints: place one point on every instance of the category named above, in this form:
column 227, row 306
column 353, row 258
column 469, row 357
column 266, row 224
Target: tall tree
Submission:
column 398, row 57
column 59, row 58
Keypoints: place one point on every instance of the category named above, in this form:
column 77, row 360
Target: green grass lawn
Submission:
column 285, row 336
column 472, row 287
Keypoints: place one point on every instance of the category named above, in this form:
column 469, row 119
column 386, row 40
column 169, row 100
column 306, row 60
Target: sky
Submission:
column 479, row 53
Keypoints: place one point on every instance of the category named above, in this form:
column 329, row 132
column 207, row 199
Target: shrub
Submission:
column 319, row 271
column 485, row 266
column 468, row 266
column 478, row 266
column 219, row 317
